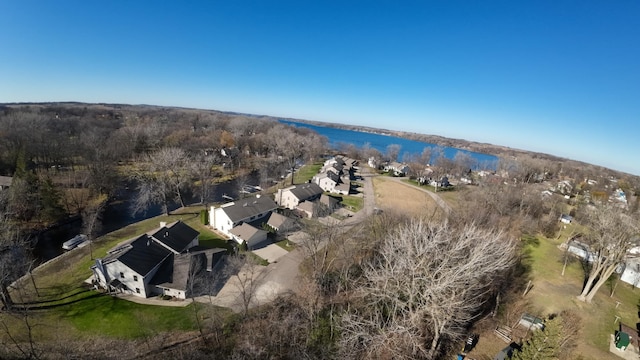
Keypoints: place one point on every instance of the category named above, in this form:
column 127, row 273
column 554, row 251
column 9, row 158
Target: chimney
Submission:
column 163, row 224
column 257, row 196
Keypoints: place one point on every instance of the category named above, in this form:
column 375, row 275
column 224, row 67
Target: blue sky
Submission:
column 560, row 77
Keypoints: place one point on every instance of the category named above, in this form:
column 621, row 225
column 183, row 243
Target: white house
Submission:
column 230, row 215
column 294, row 195
column 631, row 271
column 397, row 168
column 327, row 181
column 138, row 266
column 248, row 234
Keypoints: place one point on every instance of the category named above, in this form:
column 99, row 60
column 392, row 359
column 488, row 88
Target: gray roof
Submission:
column 333, row 176
column 276, row 220
column 245, row 231
column 142, row 255
column 306, row 206
column 176, row 274
column 176, row 236
column 5, row 180
column 330, row 201
column 343, row 187
column 246, row 208
column 307, row 191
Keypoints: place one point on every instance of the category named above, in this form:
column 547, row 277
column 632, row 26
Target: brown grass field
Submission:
column 403, row 198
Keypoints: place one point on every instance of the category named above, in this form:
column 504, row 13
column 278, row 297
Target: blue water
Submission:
column 380, row 143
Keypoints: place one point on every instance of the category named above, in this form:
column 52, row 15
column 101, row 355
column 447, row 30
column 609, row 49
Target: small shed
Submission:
column 622, row 340
column 531, row 322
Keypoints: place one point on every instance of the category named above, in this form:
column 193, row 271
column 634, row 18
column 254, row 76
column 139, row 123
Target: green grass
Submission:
column 554, row 292
column 353, row 203
column 108, row 316
column 306, row 173
column 286, row 244
column 64, row 303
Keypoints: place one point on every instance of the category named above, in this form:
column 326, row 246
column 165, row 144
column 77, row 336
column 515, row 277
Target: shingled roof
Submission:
column 246, row 208
column 307, row 191
column 176, row 236
column 245, row 231
column 142, row 255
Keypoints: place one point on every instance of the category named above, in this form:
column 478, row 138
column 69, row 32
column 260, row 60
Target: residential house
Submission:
column 142, row 265
column 292, row 196
column 307, row 207
column 327, row 181
column 335, row 168
column 279, row 222
column 328, row 202
column 248, row 234
column 630, row 271
column 564, row 187
column 232, row 214
column 397, row 168
column 342, row 189
column 372, row 162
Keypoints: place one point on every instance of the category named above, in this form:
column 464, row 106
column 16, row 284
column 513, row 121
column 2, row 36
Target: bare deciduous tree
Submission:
column 162, row 179
column 247, row 276
column 393, row 151
column 609, row 238
column 424, row 285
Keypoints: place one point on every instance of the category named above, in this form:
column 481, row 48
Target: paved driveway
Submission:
column 271, row 252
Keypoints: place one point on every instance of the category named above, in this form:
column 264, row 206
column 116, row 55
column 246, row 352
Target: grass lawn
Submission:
column 353, row 203
column 553, row 292
column 306, row 173
column 64, row 302
column 286, row 244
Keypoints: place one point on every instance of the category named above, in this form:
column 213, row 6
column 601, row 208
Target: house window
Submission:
column 135, row 278
column 138, row 290
column 122, row 275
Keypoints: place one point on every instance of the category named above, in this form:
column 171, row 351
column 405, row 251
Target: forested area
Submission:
column 390, row 287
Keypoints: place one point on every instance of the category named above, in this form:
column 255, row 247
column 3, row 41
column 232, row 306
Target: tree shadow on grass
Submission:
column 57, row 305
column 82, row 290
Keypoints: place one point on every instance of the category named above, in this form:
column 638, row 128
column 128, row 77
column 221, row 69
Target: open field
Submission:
column 395, row 196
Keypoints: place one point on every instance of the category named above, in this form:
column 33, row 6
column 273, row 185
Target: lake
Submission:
column 380, row 143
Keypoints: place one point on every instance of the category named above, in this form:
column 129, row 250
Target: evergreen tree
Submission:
column 543, row 344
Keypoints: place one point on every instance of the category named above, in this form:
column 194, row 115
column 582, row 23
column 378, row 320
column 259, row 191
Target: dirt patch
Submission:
column 391, row 195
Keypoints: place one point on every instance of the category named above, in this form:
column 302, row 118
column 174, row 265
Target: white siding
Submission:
column 221, row 221
column 115, row 268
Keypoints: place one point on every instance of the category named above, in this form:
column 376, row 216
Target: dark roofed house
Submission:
column 177, row 237
column 136, row 265
column 251, row 210
column 294, row 195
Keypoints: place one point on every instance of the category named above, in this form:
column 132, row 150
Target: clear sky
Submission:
column 560, row 77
